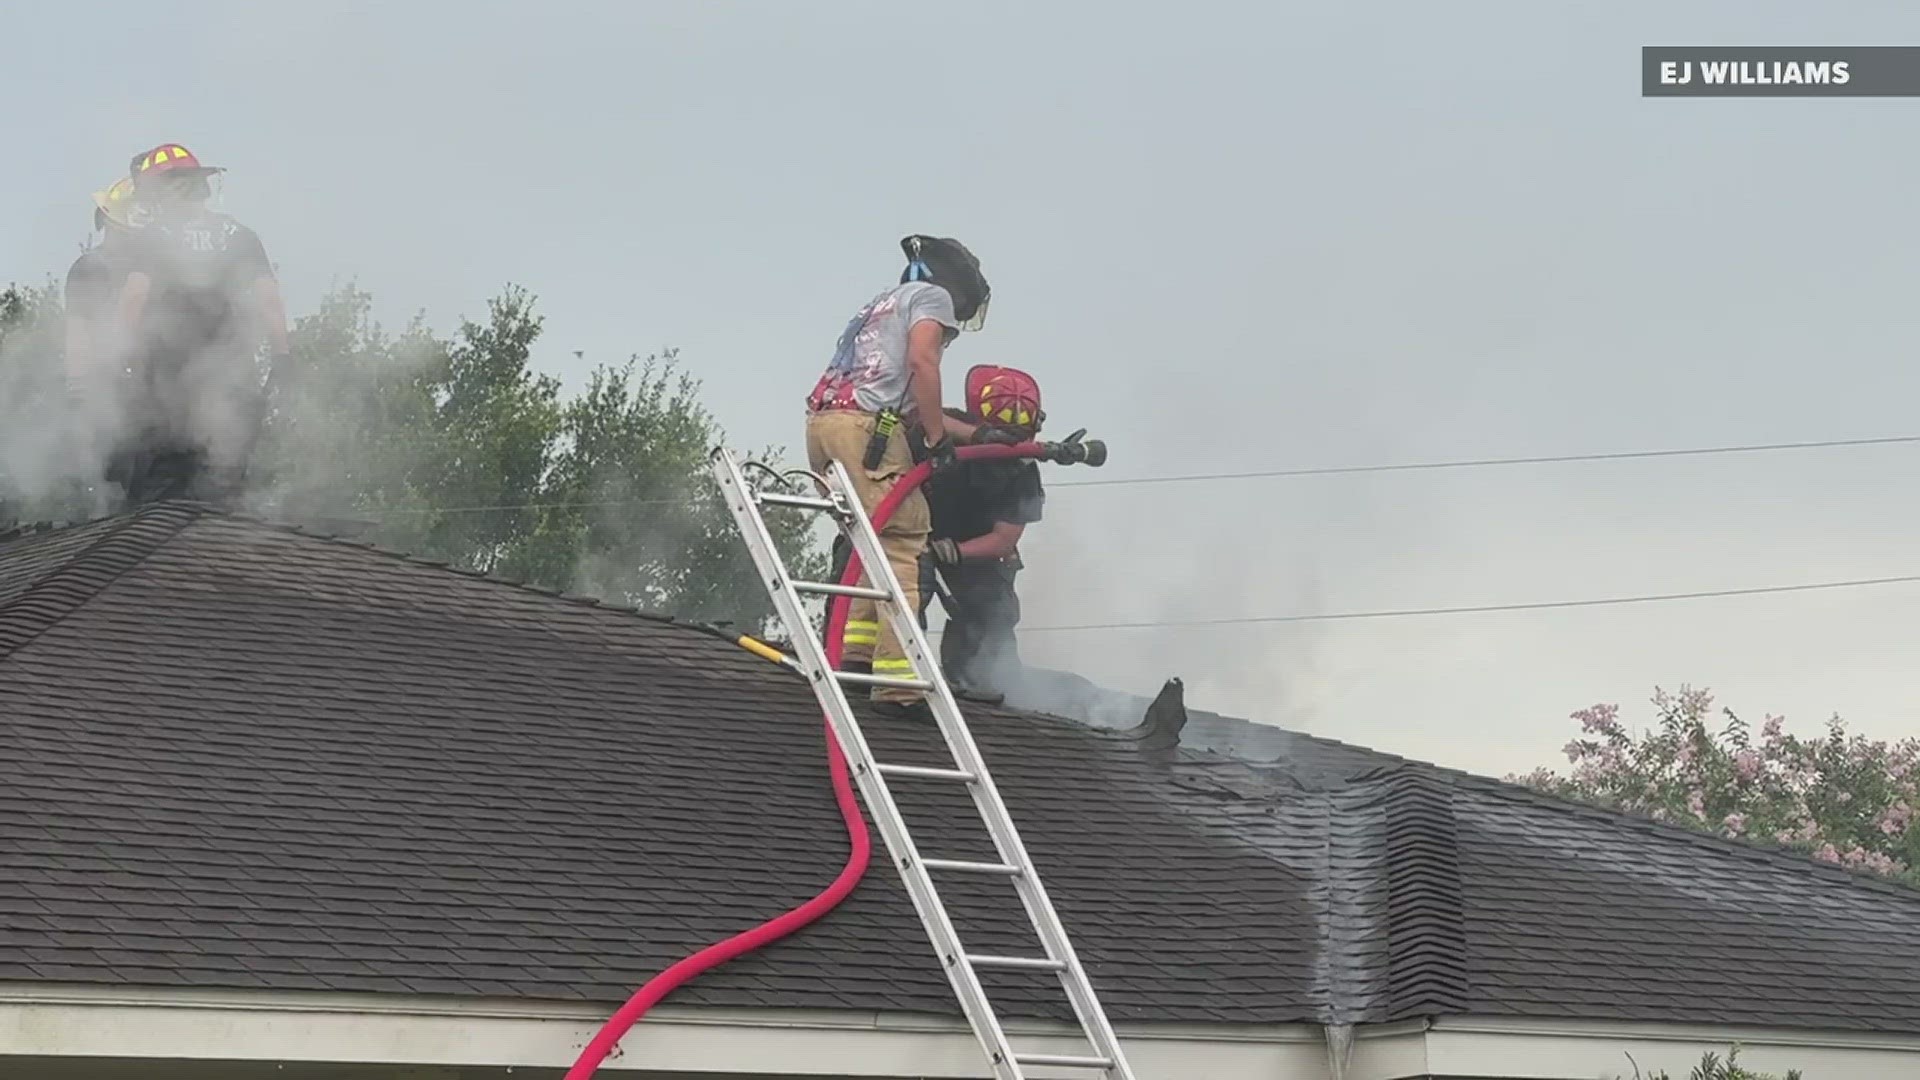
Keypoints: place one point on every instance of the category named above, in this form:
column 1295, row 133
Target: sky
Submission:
column 1225, row 237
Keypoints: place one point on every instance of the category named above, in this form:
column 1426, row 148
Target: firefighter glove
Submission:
column 945, row 552
column 942, row 454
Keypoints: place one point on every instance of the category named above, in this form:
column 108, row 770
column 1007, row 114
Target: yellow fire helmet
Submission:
column 115, row 205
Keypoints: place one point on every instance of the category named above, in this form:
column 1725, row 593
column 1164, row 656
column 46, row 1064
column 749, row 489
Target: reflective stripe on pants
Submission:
column 841, row 435
column 860, row 632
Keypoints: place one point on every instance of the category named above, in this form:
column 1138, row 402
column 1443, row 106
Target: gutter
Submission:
column 149, row 1025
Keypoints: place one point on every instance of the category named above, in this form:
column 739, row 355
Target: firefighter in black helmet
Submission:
column 883, row 379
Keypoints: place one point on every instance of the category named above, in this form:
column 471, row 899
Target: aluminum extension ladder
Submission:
column 841, row 502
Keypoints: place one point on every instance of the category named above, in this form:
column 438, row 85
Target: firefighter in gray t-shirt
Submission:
column 886, row 370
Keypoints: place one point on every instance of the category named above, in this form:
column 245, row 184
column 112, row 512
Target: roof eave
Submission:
column 52, row 1022
column 47, row 1021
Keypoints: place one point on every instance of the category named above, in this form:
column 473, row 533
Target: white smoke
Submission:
column 76, row 395
column 1118, row 555
column 50, row 440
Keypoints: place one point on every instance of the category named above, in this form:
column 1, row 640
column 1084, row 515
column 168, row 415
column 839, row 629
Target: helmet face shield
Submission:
column 947, row 263
column 181, row 187
column 979, row 317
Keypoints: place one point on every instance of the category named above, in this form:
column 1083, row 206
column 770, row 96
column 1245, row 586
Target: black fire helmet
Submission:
column 947, row 263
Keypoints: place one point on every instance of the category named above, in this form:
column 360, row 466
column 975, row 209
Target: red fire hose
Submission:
column 859, row 843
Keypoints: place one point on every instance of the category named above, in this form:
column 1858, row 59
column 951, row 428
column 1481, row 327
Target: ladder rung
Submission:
column 1031, row 963
column 1070, row 1061
column 821, row 588
column 804, row 502
column 963, row 867
column 926, row 773
column 858, row 679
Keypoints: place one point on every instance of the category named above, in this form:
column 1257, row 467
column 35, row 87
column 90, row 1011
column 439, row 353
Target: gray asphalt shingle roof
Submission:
column 242, row 756
column 1528, row 905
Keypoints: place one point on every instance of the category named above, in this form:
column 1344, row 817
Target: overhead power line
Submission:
column 1475, row 609
column 1325, row 470
column 1479, row 463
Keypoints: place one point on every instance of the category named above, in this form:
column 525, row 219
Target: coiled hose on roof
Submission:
column 860, row 844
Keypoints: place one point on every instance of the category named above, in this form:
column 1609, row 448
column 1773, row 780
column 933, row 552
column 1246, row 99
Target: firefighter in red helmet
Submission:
column 199, row 301
column 980, row 511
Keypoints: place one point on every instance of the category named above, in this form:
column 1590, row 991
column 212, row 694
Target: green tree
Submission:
column 629, row 509
column 491, row 440
column 35, row 437
column 453, row 449
column 458, row 450
column 349, row 419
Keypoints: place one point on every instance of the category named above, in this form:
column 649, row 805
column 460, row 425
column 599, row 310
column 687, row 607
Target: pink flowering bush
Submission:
column 1842, row 799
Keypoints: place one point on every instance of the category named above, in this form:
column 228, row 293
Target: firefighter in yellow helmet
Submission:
column 93, row 283
column 199, row 301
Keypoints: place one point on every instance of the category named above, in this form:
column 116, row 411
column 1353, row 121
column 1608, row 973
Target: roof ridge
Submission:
column 580, row 599
column 730, row 636
column 23, row 529
column 1426, row 926
column 1775, row 853
column 1387, row 763
column 1785, row 857
column 34, row 530
column 1740, row 845
column 84, row 574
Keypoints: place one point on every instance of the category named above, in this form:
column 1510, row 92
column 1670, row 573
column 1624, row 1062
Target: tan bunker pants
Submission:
column 841, row 435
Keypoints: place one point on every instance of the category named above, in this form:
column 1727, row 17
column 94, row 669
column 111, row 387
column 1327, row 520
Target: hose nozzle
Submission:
column 1076, row 450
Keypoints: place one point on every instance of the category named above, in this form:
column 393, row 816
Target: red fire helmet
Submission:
column 168, row 158
column 1005, row 396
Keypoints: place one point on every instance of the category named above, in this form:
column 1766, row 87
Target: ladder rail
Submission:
column 1041, row 914
column 872, row 784
column 841, row 501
